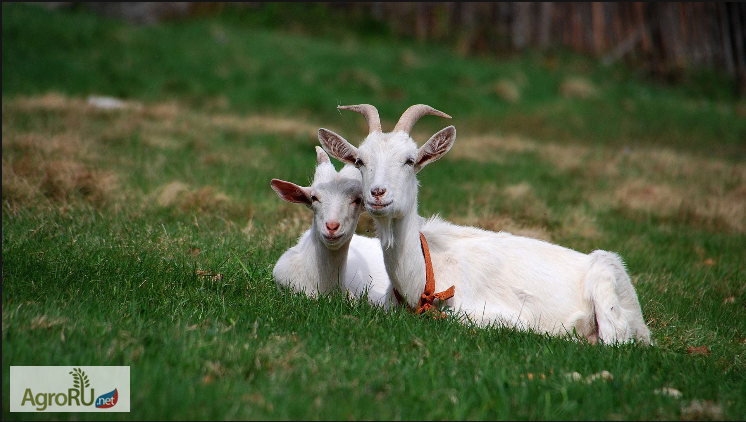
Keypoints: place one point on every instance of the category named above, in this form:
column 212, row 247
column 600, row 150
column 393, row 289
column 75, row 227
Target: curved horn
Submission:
column 369, row 112
column 414, row 113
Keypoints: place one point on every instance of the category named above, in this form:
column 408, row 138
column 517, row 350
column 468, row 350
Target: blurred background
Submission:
column 622, row 74
column 662, row 39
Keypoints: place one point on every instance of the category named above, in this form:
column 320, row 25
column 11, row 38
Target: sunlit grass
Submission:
column 170, row 273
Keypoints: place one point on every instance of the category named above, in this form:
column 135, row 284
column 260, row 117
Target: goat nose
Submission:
column 378, row 192
column 332, row 226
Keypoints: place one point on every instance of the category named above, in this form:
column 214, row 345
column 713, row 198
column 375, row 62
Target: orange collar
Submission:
column 427, row 299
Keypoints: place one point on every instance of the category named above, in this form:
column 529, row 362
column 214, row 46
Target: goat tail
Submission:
column 617, row 310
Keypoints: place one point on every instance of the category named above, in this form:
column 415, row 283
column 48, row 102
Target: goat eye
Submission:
column 359, row 163
column 409, row 162
column 358, row 201
column 314, row 198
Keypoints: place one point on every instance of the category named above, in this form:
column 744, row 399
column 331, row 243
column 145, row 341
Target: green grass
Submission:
column 147, row 236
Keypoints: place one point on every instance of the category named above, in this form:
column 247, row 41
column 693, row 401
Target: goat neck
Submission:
column 404, row 261
column 389, row 163
column 330, row 264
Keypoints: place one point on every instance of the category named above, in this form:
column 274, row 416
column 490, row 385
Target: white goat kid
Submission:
column 498, row 278
column 330, row 255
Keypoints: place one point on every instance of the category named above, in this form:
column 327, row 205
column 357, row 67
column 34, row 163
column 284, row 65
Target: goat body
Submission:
column 499, row 278
column 329, row 255
column 356, row 268
column 531, row 284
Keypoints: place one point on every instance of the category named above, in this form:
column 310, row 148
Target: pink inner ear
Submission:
column 337, row 146
column 290, row 192
column 436, row 146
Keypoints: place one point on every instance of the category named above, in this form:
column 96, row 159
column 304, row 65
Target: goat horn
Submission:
column 414, row 113
column 369, row 112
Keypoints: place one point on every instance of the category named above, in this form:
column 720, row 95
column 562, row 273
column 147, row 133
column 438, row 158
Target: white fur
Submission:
column 322, row 261
column 499, row 278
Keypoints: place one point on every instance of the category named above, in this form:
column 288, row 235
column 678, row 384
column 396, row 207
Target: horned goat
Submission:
column 330, row 255
column 498, row 278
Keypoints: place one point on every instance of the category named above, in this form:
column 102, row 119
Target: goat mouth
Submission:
column 379, row 207
column 332, row 238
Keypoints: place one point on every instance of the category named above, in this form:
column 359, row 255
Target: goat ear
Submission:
column 337, row 146
column 291, row 192
column 321, row 156
column 435, row 147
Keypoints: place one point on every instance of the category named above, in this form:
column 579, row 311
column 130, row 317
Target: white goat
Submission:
column 330, row 255
column 498, row 277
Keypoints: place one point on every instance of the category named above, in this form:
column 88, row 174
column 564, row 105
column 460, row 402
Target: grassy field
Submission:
column 146, row 235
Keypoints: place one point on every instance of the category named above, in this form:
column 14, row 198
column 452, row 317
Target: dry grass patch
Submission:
column 66, row 157
column 507, row 90
column 579, row 224
column 18, row 189
column 45, row 146
column 642, row 195
column 158, row 119
column 668, row 164
column 490, row 148
column 51, row 101
column 45, row 322
column 65, row 180
column 576, row 87
column 39, row 166
column 677, row 186
column 181, row 196
column 702, row 191
column 34, row 178
column 263, row 124
column 498, row 222
column 522, row 200
column 279, row 353
column 250, row 157
column 65, row 154
column 54, row 101
column 567, row 158
column 492, row 207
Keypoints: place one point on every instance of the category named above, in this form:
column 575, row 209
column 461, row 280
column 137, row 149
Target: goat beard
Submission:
column 385, row 232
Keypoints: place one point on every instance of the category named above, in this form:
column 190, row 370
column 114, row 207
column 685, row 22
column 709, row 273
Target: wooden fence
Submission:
column 664, row 38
